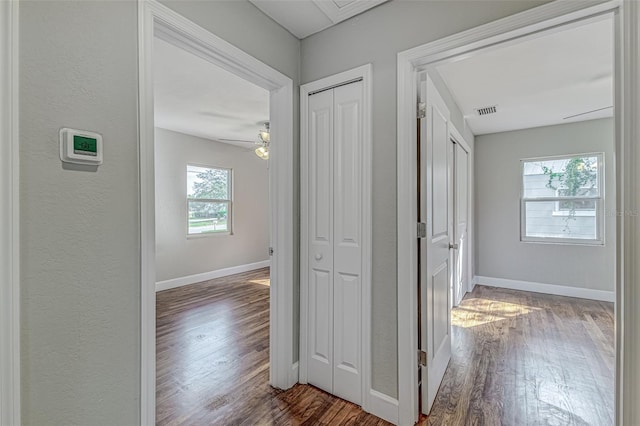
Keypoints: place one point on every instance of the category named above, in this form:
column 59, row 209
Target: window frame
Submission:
column 229, row 202
column 599, row 201
column 559, row 211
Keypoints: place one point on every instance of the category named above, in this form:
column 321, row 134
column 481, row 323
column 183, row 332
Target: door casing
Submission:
column 9, row 216
column 157, row 20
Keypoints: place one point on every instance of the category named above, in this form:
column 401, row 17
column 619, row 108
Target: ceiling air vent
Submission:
column 487, row 110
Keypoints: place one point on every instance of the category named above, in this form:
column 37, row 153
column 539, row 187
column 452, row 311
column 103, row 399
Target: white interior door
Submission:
column 321, row 271
column 435, row 254
column 461, row 212
column 335, row 241
column 347, row 375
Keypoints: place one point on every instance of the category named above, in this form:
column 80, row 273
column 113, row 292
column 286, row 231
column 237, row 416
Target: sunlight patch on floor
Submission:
column 479, row 311
column 266, row 282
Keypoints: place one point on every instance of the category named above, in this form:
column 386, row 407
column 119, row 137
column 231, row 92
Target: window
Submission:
column 562, row 199
column 585, row 207
column 208, row 200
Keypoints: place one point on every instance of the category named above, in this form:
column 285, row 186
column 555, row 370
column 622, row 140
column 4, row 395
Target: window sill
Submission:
column 562, row 241
column 208, row 234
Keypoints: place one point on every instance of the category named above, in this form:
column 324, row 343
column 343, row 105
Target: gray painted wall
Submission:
column 377, row 36
column 80, row 233
column 499, row 251
column 80, row 230
column 178, row 256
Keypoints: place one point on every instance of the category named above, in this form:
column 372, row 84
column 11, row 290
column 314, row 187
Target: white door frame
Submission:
column 365, row 73
column 528, row 23
column 9, row 217
column 157, row 20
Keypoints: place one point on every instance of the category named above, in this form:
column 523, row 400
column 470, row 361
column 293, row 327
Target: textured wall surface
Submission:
column 79, row 235
column 178, row 256
column 80, row 229
column 499, row 251
column 376, row 37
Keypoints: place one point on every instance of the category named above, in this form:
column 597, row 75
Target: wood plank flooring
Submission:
column 213, row 361
column 524, row 358
column 518, row 359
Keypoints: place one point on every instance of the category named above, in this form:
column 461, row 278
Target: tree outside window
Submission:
column 209, row 200
column 562, row 199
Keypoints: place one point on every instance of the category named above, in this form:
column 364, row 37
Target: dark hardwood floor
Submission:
column 518, row 359
column 213, row 361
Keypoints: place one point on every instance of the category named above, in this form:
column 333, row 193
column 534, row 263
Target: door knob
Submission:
column 453, row 246
column 318, row 256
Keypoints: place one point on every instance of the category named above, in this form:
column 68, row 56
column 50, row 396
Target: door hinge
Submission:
column 422, row 109
column 270, row 251
column 422, row 230
column 422, row 358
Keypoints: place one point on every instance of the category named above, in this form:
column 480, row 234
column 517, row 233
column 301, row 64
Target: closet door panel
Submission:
column 347, row 338
column 321, row 241
column 347, row 241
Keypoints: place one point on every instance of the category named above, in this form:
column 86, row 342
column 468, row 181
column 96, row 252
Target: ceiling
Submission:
column 305, row 17
column 195, row 97
column 537, row 82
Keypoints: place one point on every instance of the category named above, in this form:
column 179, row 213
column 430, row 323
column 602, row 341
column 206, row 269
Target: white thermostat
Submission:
column 80, row 147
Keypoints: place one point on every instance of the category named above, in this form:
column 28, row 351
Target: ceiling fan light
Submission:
column 264, row 136
column 262, row 152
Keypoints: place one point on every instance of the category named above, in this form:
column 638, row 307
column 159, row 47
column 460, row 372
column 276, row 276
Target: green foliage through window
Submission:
column 562, row 199
column 209, row 199
column 577, row 179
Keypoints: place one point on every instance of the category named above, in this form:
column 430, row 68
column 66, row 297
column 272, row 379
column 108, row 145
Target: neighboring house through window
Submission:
column 562, row 199
column 209, row 200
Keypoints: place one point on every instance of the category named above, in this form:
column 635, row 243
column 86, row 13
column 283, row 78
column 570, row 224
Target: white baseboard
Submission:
column 192, row 279
column 474, row 282
column 559, row 290
column 383, row 406
column 295, row 368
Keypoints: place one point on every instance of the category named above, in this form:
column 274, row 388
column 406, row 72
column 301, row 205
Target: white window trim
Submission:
column 598, row 213
column 230, row 210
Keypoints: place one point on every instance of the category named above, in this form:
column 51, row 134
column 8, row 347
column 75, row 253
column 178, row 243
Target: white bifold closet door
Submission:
column 335, row 247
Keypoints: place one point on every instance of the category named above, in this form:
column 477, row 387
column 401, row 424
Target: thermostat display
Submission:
column 80, row 147
column 85, row 146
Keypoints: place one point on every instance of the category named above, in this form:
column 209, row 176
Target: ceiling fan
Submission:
column 264, row 138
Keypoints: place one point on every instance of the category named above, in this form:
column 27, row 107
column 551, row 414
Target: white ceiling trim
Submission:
column 303, row 18
column 340, row 10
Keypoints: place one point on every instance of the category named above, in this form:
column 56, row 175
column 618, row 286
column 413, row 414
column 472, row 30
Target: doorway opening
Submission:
column 212, row 142
column 212, row 196
column 558, row 211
